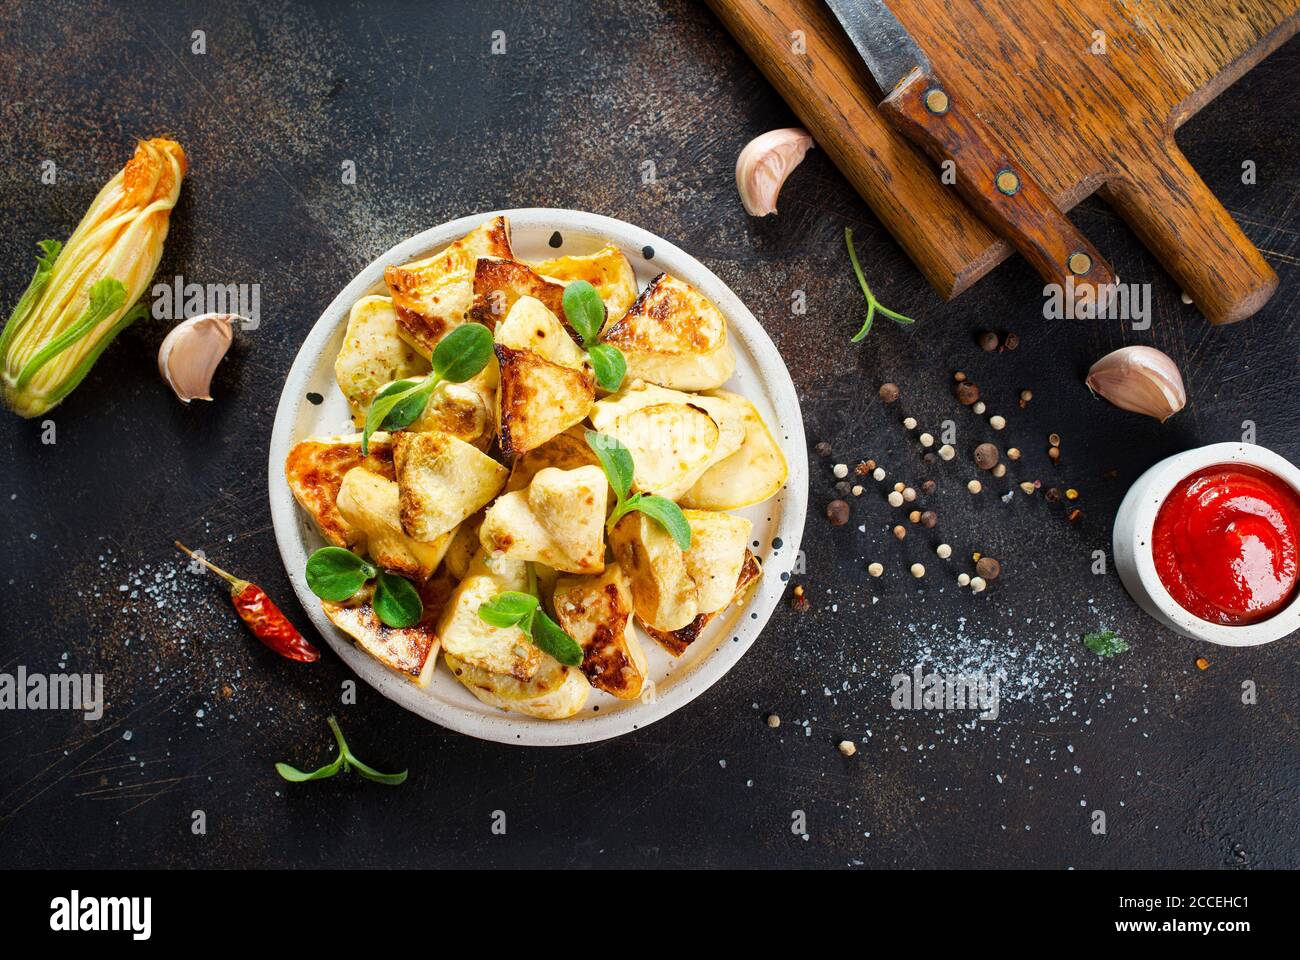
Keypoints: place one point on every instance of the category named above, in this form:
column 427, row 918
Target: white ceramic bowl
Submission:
column 1135, row 561
column 778, row 523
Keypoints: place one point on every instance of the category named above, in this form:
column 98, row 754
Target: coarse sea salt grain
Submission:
column 163, row 604
column 1037, row 669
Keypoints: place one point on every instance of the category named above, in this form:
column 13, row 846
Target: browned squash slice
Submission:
column 676, row 641
column 675, row 337
column 433, row 295
column 565, row 451
column 315, row 469
column 372, row 505
column 441, row 480
column 410, row 651
column 607, row 270
column 499, row 284
column 597, row 613
column 663, row 593
column 537, row 399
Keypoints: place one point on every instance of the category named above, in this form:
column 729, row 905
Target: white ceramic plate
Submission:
column 778, row 524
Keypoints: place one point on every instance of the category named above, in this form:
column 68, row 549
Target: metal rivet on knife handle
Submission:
column 936, row 101
column 1079, row 263
column 1007, row 182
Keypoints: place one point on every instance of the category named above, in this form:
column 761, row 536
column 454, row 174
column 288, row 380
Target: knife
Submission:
column 925, row 110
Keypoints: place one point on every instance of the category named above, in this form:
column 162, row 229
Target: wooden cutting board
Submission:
column 1080, row 121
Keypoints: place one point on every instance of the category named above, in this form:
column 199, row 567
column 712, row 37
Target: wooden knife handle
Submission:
column 1004, row 195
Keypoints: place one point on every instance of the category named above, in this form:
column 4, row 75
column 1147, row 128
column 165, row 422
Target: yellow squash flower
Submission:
column 85, row 292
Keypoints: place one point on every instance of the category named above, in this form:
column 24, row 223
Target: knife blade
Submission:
column 882, row 42
column 925, row 110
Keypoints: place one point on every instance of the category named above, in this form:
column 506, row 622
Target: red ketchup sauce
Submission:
column 1226, row 543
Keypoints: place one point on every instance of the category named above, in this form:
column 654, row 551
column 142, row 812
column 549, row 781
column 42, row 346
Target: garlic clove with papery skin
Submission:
column 189, row 354
column 764, row 164
column 1140, row 379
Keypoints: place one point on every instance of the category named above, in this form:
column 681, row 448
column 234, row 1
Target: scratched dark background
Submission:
column 438, row 127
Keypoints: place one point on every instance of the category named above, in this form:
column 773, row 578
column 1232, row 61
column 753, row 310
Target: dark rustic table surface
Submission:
column 1186, row 774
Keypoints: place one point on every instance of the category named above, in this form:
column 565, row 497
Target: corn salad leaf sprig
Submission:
column 86, row 291
column 874, row 306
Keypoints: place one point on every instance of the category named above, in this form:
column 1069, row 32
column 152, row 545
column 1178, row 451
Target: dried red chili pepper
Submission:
column 261, row 614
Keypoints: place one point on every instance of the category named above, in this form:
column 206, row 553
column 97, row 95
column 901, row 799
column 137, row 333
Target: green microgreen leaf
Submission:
column 294, row 775
column 384, row 403
column 509, row 609
column 411, row 402
column 609, row 365
column 370, row 773
column 893, row 315
column 873, row 305
column 615, row 459
column 397, row 603
column 50, row 250
column 866, row 324
column 336, row 574
column 584, row 310
column 345, row 761
column 523, row 610
column 462, row 353
column 1105, row 643
column 549, row 637
column 667, row 514
column 458, row 356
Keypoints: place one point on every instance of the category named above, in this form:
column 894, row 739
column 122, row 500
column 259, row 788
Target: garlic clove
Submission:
column 191, row 351
column 764, row 164
column 1140, row 379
